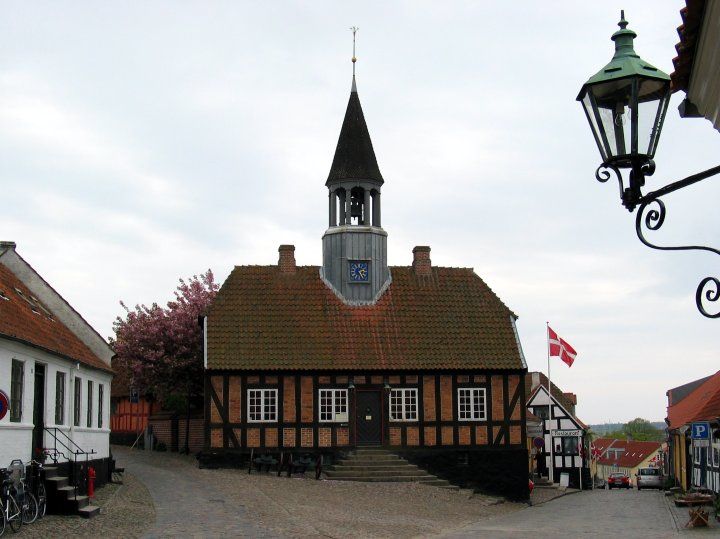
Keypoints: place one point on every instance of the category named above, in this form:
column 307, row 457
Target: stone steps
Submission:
column 380, row 465
column 62, row 497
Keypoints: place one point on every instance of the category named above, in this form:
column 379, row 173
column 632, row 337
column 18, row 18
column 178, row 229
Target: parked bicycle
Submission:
column 36, row 486
column 11, row 509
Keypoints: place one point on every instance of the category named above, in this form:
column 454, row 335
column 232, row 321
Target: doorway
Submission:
column 39, row 409
column 368, row 417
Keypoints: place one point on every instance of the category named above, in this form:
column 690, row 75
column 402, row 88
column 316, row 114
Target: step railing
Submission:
column 78, row 473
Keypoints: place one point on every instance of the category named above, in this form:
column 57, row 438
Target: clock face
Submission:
column 359, row 272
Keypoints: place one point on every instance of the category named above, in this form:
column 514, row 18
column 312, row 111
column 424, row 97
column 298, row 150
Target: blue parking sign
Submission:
column 701, row 430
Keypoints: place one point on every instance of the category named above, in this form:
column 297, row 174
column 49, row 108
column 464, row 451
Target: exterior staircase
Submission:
column 379, row 465
column 61, row 496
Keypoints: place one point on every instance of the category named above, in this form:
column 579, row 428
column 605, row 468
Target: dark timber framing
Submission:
column 227, row 426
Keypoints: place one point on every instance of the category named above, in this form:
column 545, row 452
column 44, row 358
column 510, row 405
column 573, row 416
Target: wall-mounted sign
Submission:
column 567, row 433
column 534, row 430
column 4, row 404
column 701, row 430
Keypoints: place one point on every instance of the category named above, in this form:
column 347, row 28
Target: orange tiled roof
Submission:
column 634, row 454
column 601, row 444
column 265, row 319
column 689, row 32
column 24, row 318
column 702, row 404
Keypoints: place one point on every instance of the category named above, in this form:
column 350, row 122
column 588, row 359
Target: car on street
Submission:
column 618, row 480
column 649, row 478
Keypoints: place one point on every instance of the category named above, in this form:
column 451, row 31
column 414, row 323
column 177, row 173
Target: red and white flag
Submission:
column 560, row 348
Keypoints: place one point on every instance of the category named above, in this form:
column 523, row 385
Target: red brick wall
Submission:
column 343, row 435
column 325, row 437
column 446, row 398
column 429, row 397
column 235, row 399
column 271, row 437
column 395, row 436
column 430, row 435
column 306, row 399
column 217, row 385
column 497, row 398
column 413, row 436
column 253, row 437
column 289, row 399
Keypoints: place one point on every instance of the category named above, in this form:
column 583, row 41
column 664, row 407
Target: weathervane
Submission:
column 354, row 59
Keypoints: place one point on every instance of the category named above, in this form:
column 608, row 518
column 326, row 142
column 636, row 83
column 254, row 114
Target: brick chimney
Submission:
column 286, row 263
column 421, row 260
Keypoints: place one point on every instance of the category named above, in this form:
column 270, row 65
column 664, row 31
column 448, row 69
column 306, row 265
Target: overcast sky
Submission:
column 141, row 142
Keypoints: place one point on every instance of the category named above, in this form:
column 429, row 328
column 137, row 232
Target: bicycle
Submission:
column 24, row 498
column 11, row 512
column 37, row 487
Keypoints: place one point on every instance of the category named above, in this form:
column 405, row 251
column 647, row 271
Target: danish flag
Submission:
column 560, row 348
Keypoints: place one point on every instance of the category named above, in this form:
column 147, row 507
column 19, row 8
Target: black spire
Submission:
column 354, row 156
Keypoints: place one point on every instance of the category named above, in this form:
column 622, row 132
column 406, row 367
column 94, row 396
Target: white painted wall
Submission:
column 16, row 438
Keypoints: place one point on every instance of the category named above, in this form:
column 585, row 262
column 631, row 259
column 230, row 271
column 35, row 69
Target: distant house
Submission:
column 55, row 372
column 626, row 456
column 694, row 465
column 131, row 409
column 564, row 435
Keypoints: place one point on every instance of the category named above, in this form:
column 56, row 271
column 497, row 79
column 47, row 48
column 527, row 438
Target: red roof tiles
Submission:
column 702, row 404
column 265, row 319
column 635, row 453
column 25, row 319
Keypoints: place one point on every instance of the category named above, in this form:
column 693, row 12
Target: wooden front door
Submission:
column 368, row 417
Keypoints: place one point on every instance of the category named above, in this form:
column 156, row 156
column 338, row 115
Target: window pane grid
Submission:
column 262, row 405
column 333, row 405
column 471, row 404
column 17, row 377
column 60, row 398
column 403, row 404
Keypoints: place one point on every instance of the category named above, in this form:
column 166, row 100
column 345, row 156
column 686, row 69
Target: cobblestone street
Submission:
column 598, row 513
column 167, row 495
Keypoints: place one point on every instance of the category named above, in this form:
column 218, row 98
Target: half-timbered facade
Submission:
column 564, row 446
column 423, row 359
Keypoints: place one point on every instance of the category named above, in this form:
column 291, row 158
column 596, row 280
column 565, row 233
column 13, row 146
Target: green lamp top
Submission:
column 625, row 62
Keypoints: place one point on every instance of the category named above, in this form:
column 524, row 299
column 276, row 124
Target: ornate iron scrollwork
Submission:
column 602, row 174
column 653, row 220
column 651, row 213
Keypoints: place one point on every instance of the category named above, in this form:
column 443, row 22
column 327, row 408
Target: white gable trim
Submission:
column 555, row 402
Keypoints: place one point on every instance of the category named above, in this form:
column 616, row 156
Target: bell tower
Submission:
column 355, row 245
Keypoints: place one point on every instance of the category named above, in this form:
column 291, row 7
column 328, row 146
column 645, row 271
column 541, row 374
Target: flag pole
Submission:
column 552, row 441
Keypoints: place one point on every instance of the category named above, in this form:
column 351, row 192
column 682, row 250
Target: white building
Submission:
column 55, row 372
column 563, row 442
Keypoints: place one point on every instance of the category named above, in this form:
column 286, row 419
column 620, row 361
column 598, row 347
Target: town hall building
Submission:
column 421, row 360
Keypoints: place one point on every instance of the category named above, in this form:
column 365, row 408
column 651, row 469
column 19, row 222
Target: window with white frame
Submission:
column 696, row 455
column 716, row 455
column 708, row 456
column 403, row 404
column 17, row 383
column 262, row 405
column 333, row 405
column 471, row 404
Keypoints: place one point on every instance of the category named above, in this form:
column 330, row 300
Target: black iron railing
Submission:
column 78, row 473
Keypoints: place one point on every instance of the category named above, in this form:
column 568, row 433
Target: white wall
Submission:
column 16, row 438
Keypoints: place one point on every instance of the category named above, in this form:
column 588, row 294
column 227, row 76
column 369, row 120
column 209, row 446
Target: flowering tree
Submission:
column 160, row 349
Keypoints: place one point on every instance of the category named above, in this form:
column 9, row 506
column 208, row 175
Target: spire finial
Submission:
column 354, row 58
column 623, row 23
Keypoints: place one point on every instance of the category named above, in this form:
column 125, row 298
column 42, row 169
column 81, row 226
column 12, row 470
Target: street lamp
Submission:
column 625, row 104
